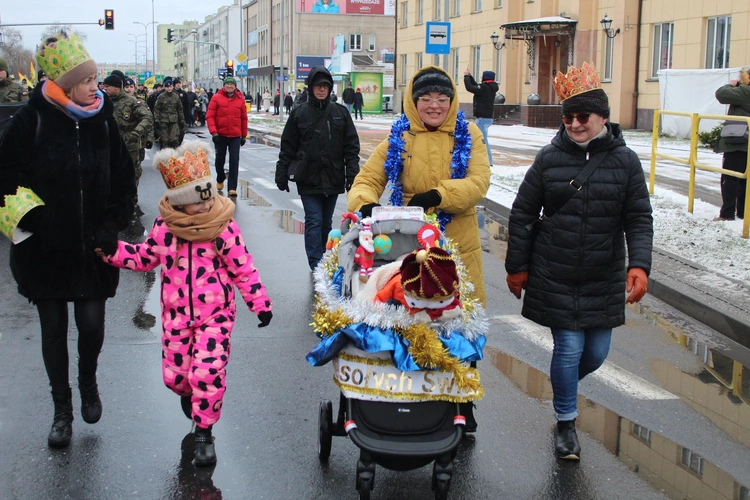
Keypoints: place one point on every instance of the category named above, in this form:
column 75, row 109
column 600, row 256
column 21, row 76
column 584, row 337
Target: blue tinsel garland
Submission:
column 394, row 163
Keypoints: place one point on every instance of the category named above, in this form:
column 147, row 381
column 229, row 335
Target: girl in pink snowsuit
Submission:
column 202, row 257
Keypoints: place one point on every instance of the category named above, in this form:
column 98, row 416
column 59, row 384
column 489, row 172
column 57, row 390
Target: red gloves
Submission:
column 637, row 284
column 517, row 282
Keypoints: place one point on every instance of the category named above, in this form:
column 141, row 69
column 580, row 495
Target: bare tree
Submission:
column 13, row 51
column 53, row 29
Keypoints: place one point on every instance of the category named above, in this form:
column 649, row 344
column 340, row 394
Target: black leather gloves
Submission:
column 215, row 138
column 32, row 221
column 283, row 186
column 366, row 210
column 265, row 318
column 243, row 141
column 426, row 200
column 106, row 238
column 149, row 145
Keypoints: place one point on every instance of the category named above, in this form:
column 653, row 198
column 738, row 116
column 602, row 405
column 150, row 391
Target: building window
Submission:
column 355, row 42
column 420, row 11
column 609, row 46
column 744, row 493
column 404, row 12
column 436, row 60
column 718, row 33
column 692, row 461
column 436, row 10
column 642, row 433
column 456, row 64
column 456, row 10
column 418, row 60
column 498, row 4
column 476, row 60
column 403, row 69
column 498, row 65
column 476, row 6
column 662, row 56
column 371, row 45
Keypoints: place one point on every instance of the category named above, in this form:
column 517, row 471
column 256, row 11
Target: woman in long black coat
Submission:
column 65, row 146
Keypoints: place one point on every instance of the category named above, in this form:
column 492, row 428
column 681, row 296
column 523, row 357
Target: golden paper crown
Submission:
column 576, row 81
column 66, row 55
column 178, row 172
column 16, row 206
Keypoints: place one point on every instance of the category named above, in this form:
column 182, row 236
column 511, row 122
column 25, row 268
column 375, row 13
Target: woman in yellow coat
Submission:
column 435, row 159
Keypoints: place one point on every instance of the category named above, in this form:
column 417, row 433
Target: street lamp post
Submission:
column 135, row 42
column 145, row 33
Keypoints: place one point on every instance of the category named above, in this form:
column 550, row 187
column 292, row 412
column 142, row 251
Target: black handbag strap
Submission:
column 575, row 185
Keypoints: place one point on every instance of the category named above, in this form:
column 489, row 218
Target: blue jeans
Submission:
column 576, row 354
column 484, row 126
column 233, row 144
column 349, row 107
column 318, row 215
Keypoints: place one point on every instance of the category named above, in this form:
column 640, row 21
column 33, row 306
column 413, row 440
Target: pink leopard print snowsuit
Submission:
column 198, row 309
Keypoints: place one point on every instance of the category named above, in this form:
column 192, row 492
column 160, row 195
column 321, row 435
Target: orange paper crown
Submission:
column 178, row 172
column 576, row 81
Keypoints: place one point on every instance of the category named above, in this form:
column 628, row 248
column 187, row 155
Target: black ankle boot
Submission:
column 62, row 424
column 566, row 440
column 187, row 406
column 205, row 452
column 91, row 404
column 467, row 410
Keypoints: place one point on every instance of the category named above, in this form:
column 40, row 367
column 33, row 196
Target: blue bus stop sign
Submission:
column 438, row 39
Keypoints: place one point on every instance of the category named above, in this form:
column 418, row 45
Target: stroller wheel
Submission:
column 364, row 495
column 325, row 428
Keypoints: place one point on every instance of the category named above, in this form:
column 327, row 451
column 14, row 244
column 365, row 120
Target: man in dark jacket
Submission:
column 484, row 102
column 573, row 264
column 227, row 123
column 736, row 93
column 348, row 97
column 322, row 134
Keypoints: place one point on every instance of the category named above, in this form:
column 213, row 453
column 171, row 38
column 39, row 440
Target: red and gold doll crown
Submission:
column 576, row 81
column 178, row 172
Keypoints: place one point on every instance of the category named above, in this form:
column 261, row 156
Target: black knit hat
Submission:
column 431, row 80
column 119, row 73
column 593, row 101
column 113, row 81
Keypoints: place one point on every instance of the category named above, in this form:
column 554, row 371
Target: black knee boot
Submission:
column 467, row 410
column 91, row 404
column 205, row 452
column 62, row 424
column 566, row 440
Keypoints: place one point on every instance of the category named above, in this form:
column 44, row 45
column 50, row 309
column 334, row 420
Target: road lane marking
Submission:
column 610, row 374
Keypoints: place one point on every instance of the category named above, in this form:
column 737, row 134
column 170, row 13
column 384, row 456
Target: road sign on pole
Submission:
column 241, row 70
column 241, row 57
column 438, row 39
column 222, row 73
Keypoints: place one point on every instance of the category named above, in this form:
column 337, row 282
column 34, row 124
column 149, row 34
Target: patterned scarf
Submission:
column 56, row 96
column 199, row 227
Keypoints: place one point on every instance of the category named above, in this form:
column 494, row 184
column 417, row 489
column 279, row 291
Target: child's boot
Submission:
column 205, row 453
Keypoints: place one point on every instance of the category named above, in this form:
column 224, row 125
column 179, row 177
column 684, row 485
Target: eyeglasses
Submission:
column 441, row 101
column 582, row 118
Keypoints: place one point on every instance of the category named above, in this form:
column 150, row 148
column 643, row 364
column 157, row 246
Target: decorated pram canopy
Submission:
column 386, row 340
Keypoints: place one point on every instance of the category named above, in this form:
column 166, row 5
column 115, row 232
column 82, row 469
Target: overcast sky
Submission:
column 104, row 46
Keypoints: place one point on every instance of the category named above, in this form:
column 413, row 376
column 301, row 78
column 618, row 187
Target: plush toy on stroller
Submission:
column 397, row 319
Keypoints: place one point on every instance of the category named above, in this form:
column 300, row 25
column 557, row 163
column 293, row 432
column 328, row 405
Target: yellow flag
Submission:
column 33, row 72
column 150, row 82
column 22, row 77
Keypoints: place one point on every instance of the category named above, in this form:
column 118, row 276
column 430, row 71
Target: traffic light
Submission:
column 230, row 68
column 109, row 19
column 170, row 36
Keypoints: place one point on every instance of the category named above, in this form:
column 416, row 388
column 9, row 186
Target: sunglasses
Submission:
column 582, row 118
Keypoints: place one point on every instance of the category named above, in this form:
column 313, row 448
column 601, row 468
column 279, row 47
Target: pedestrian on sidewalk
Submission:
column 431, row 128
column 64, row 149
column 348, row 97
column 484, row 102
column 737, row 94
column 227, row 124
column 198, row 306
column 266, row 100
column 572, row 262
column 288, row 102
column 359, row 101
column 277, row 103
column 321, row 134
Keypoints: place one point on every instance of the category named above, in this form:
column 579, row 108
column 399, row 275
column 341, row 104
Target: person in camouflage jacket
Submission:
column 133, row 119
column 169, row 118
column 10, row 91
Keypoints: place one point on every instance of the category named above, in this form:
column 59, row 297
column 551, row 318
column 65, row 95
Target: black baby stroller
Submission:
column 400, row 415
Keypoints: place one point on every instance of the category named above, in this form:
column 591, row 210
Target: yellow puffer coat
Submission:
column 427, row 166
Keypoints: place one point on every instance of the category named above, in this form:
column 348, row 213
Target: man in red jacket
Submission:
column 227, row 123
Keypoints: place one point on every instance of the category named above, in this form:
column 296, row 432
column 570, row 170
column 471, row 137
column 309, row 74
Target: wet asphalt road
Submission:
column 653, row 401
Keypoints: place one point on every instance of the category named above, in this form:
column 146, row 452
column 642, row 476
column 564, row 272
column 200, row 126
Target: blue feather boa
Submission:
column 394, row 162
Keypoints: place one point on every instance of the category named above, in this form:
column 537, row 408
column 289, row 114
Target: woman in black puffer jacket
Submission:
column 574, row 270
column 65, row 146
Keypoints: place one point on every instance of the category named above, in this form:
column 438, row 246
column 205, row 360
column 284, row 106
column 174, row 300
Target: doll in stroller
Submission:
column 398, row 322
